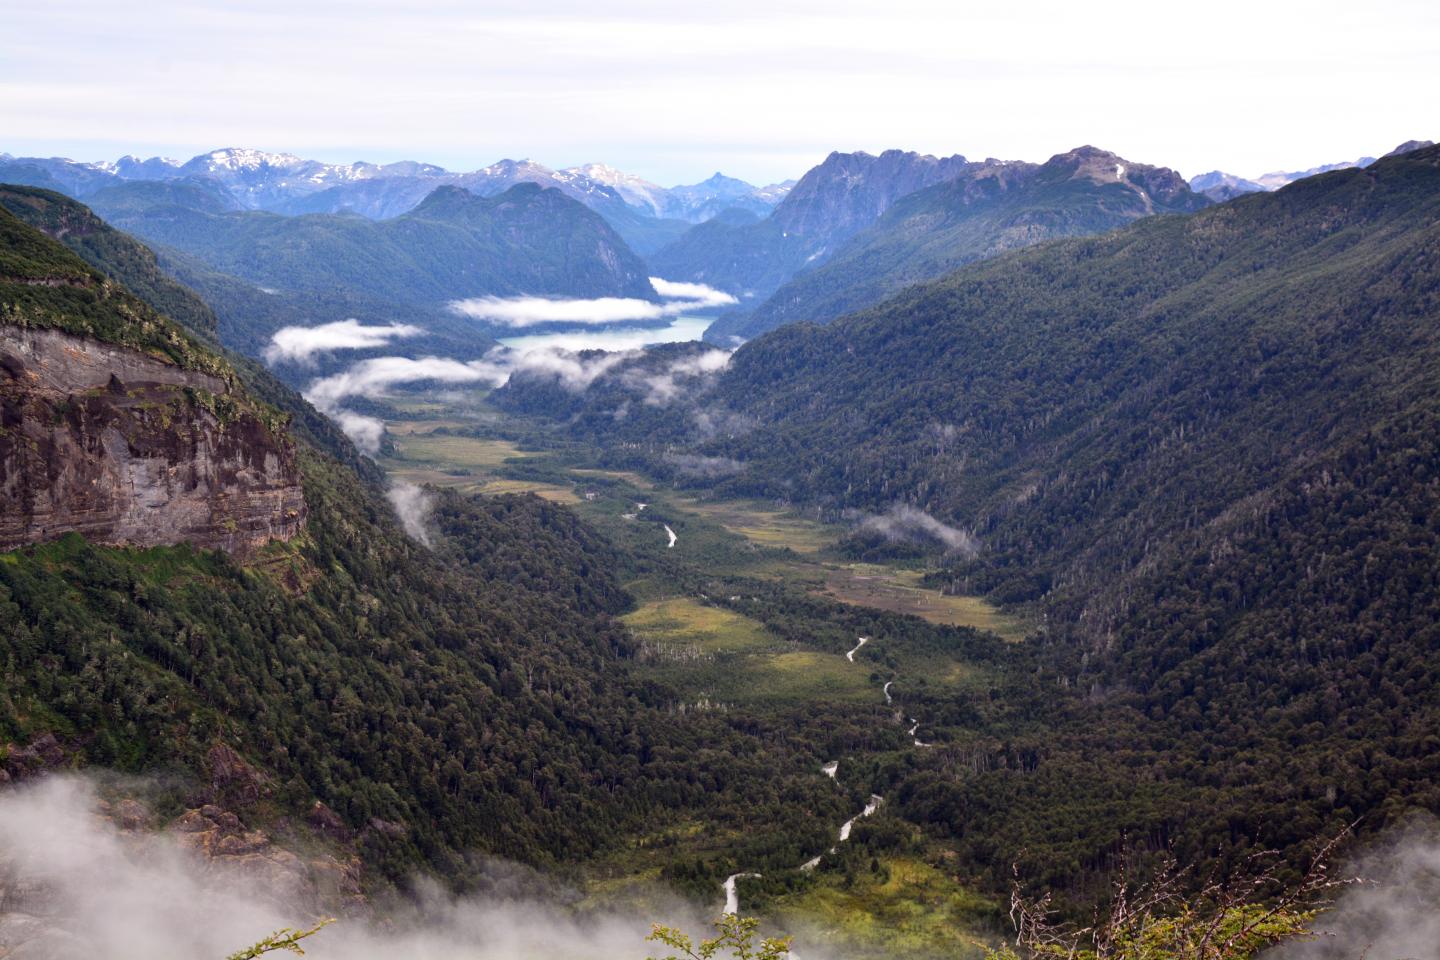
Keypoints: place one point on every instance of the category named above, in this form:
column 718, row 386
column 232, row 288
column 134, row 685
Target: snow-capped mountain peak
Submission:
column 636, row 191
column 241, row 158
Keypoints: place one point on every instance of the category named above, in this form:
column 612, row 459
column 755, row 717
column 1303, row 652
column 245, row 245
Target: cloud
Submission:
column 696, row 295
column 301, row 344
column 712, row 422
column 374, row 377
column 710, row 468
column 77, row 887
column 371, row 378
column 1392, row 912
column 663, row 387
column 571, row 370
column 903, row 522
column 365, row 432
column 530, row 311
column 413, row 505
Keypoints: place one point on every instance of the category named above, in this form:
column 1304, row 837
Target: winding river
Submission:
column 732, row 898
column 831, row 769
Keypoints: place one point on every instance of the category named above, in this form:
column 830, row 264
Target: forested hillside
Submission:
column 453, row 245
column 1077, row 405
column 135, row 267
column 1204, row 448
column 1201, row 450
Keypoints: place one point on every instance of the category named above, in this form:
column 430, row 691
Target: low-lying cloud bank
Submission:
column 530, row 311
column 664, row 386
column 303, row 344
column 75, row 888
column 1393, row 913
column 413, row 506
column 697, row 295
column 576, row 372
column 706, row 468
column 373, row 377
column 904, row 523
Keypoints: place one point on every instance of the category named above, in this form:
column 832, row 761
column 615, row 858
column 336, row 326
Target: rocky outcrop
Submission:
column 236, row 854
column 41, row 755
column 127, row 449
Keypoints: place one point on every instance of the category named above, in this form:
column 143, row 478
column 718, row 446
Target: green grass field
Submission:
column 764, row 525
column 714, row 654
column 413, row 442
column 911, row 908
column 899, row 590
column 466, row 464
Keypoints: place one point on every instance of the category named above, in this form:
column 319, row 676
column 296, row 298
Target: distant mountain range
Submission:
column 1220, row 186
column 367, row 239
column 274, row 270
column 646, row 214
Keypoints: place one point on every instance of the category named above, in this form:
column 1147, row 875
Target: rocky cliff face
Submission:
column 129, row 450
column 849, row 190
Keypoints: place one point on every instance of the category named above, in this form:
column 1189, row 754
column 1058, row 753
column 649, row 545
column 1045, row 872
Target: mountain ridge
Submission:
column 829, row 204
column 985, row 209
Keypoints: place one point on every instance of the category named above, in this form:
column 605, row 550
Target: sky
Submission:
column 760, row 89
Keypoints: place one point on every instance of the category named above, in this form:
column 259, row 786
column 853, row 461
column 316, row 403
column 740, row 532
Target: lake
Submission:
column 612, row 338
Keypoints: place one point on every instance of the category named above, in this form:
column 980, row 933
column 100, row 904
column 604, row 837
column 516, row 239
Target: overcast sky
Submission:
column 761, row 89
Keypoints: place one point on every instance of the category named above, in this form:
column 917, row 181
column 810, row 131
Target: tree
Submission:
column 736, row 934
column 1229, row 918
column 286, row 939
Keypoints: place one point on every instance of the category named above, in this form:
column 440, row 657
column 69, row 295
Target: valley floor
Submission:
column 738, row 613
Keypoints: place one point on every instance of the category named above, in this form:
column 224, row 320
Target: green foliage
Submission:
column 286, row 940
column 126, row 261
column 485, row 681
column 736, row 937
column 1236, row 933
column 114, row 254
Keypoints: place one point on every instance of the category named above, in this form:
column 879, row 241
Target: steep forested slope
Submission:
column 264, row 272
column 136, row 268
column 1078, row 400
